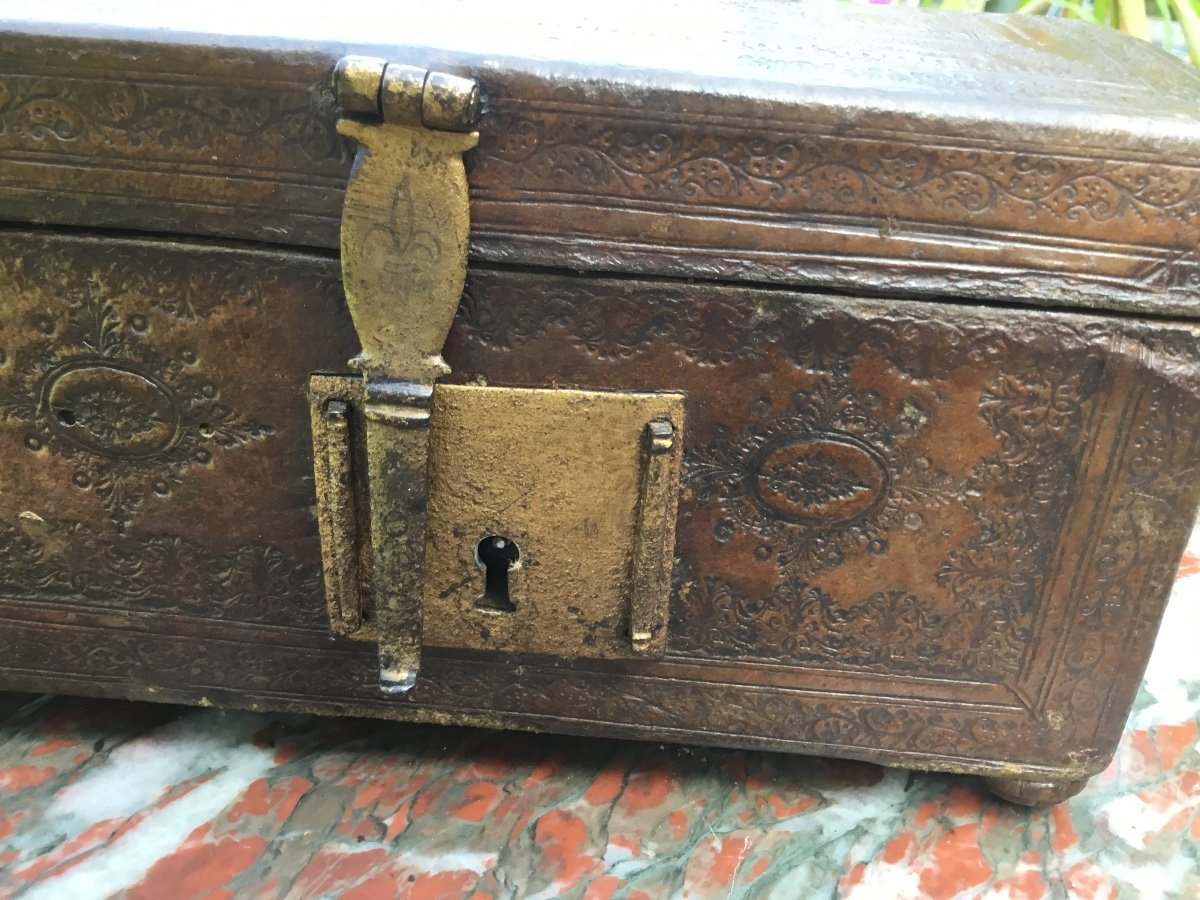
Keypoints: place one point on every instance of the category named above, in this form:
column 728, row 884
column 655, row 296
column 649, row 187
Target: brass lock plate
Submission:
column 550, row 518
column 541, row 519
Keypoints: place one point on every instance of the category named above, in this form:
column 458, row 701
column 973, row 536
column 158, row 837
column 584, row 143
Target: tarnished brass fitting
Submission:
column 405, row 95
column 356, row 81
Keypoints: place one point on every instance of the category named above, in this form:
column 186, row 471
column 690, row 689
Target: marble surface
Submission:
column 109, row 799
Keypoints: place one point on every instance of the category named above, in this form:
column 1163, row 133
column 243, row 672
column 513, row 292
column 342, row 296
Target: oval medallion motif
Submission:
column 111, row 410
column 819, row 478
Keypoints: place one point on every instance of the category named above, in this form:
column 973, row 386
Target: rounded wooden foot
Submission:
column 1028, row 792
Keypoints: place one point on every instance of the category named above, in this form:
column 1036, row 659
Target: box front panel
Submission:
column 911, row 533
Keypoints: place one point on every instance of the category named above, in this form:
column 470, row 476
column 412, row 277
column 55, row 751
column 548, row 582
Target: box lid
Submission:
column 892, row 151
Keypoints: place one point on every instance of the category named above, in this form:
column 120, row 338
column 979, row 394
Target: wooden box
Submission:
column 914, row 295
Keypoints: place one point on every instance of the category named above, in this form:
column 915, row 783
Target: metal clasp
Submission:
column 418, row 481
column 404, row 263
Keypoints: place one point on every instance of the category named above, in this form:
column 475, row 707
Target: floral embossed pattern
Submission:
column 89, row 384
column 813, row 480
column 614, row 325
column 817, row 480
column 995, row 576
column 848, row 175
column 891, row 630
column 162, row 575
column 108, row 115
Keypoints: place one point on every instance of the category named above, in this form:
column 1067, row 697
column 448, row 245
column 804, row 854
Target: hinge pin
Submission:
column 405, row 95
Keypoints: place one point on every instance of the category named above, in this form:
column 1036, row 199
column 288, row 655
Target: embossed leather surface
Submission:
column 930, row 534
column 921, row 530
column 895, row 151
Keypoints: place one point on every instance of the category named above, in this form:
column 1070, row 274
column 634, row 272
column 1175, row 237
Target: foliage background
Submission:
column 1175, row 24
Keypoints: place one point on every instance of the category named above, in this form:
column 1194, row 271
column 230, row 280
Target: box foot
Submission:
column 1029, row 792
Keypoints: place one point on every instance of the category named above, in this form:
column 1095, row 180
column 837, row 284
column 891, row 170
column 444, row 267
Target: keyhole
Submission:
column 497, row 555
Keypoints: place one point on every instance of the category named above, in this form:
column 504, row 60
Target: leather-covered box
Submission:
column 820, row 382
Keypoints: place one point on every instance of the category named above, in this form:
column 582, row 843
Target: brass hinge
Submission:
column 388, row 495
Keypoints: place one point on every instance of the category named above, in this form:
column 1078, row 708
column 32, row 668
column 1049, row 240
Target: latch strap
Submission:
column 404, row 263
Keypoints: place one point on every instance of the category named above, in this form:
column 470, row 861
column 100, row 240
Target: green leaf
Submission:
column 1080, row 11
column 1164, row 13
column 1131, row 15
column 1189, row 23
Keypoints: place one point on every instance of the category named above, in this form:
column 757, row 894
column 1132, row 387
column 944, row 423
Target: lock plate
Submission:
column 582, row 488
column 561, row 475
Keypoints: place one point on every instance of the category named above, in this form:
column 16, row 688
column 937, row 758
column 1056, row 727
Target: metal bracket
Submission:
column 390, row 485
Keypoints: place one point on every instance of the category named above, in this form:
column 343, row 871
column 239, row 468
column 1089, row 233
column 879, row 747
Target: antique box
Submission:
column 823, row 382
